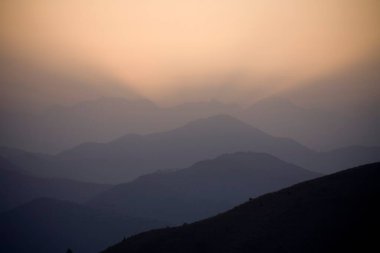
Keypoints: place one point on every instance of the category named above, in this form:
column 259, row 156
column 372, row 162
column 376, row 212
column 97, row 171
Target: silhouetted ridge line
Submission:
column 203, row 189
column 335, row 213
column 132, row 155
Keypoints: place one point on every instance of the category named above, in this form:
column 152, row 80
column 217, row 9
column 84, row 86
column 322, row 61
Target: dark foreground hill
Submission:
column 202, row 190
column 48, row 225
column 335, row 213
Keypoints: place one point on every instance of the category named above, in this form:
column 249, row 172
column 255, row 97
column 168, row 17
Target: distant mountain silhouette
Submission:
column 316, row 128
column 17, row 188
column 36, row 164
column 335, row 110
column 202, row 190
column 133, row 155
column 347, row 157
column 62, row 127
column 348, row 91
column 103, row 119
column 204, row 109
column 99, row 120
column 48, row 225
column 352, row 93
column 335, row 213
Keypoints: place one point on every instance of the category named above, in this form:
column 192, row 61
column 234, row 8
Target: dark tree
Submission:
column 69, row 251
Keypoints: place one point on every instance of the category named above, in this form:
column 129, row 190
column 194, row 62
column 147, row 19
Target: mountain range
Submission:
column 201, row 190
column 99, row 120
column 104, row 214
column 317, row 128
column 59, row 128
column 133, row 155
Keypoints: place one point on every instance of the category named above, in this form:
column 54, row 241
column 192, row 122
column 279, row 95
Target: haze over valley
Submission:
column 189, row 126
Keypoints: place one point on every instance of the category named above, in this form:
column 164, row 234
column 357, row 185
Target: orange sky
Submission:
column 173, row 49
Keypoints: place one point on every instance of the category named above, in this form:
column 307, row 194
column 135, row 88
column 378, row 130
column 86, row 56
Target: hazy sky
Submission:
column 172, row 50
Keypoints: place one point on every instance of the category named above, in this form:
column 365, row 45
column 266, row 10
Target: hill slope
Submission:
column 335, row 213
column 202, row 190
